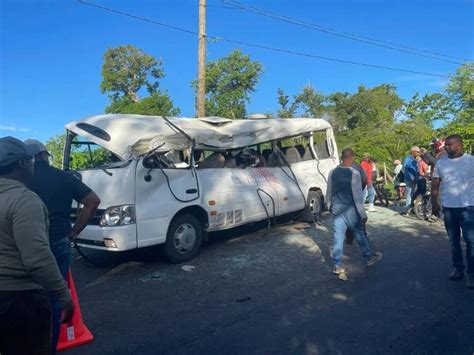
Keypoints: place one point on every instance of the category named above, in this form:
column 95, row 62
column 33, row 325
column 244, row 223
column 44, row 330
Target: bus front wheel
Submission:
column 183, row 239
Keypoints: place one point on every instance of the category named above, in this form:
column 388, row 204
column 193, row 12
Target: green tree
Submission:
column 311, row 101
column 55, row 146
column 287, row 109
column 428, row 109
column 126, row 71
column 229, row 83
column 373, row 108
column 460, row 92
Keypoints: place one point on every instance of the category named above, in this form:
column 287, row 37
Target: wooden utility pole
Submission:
column 201, row 93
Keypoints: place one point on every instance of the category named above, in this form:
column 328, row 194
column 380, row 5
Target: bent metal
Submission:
column 171, row 180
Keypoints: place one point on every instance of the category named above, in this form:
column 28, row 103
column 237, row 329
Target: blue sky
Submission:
column 52, row 51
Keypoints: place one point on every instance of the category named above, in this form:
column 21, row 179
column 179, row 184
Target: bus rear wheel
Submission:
column 314, row 207
column 184, row 238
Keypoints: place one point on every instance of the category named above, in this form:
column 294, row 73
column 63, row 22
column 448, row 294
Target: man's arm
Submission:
column 329, row 191
column 357, row 194
column 435, row 183
column 90, row 203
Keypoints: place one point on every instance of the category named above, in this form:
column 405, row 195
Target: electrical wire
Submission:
column 347, row 35
column 302, row 54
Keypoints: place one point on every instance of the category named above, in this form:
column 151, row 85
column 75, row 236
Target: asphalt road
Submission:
column 272, row 292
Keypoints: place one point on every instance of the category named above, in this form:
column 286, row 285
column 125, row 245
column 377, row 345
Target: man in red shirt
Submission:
column 423, row 170
column 368, row 165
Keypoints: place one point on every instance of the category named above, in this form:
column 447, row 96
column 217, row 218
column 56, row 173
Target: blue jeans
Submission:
column 349, row 218
column 369, row 190
column 409, row 191
column 455, row 221
column 62, row 252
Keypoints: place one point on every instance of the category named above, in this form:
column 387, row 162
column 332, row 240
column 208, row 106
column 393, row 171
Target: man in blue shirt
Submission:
column 410, row 170
column 344, row 196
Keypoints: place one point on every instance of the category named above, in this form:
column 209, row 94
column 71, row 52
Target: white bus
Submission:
column 172, row 180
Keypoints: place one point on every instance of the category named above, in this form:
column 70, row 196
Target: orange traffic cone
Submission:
column 75, row 332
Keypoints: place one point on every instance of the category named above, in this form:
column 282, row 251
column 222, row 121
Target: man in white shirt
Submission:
column 454, row 176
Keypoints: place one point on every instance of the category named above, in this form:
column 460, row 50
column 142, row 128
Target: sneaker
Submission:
column 470, row 281
column 456, row 275
column 376, row 257
column 372, row 209
column 338, row 270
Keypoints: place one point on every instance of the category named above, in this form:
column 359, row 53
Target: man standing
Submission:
column 28, row 271
column 58, row 189
column 398, row 179
column 344, row 196
column 423, row 170
column 368, row 165
column 454, row 176
column 410, row 170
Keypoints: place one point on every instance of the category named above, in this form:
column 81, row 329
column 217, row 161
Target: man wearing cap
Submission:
column 410, row 170
column 58, row 189
column 28, row 271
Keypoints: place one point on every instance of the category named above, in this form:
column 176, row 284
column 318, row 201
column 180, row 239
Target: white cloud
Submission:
column 13, row 129
column 426, row 80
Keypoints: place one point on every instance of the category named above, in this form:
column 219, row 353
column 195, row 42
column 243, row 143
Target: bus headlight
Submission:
column 118, row 216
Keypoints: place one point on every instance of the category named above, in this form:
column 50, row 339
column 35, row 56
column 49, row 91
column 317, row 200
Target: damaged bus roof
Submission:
column 131, row 135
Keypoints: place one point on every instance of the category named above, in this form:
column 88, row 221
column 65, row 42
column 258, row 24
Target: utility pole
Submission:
column 201, row 93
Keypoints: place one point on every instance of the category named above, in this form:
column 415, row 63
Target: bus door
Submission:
column 162, row 188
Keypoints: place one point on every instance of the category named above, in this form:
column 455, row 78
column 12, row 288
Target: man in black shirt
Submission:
column 58, row 189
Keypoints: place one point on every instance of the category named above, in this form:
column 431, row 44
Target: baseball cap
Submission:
column 415, row 149
column 35, row 147
column 12, row 150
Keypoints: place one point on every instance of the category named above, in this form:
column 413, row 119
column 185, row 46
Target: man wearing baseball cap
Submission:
column 58, row 189
column 29, row 274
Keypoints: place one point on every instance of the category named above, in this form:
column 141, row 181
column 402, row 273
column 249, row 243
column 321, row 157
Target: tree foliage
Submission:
column 371, row 109
column 428, row 109
column 308, row 103
column 287, row 109
column 55, row 146
column 126, row 71
column 229, row 82
column 460, row 91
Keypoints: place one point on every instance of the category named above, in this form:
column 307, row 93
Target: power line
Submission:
column 280, row 50
column 347, row 35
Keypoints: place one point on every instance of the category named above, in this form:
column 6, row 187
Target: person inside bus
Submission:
column 214, row 161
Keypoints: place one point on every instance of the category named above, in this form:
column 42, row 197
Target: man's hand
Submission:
column 72, row 235
column 67, row 312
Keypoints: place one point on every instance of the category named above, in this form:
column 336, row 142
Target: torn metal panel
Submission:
column 133, row 135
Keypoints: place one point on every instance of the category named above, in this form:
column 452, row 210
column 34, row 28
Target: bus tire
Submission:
column 183, row 239
column 314, row 207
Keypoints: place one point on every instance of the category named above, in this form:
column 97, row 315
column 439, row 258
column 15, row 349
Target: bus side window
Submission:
column 321, row 145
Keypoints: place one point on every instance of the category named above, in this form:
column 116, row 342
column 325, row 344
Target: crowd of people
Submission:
column 451, row 172
column 411, row 178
